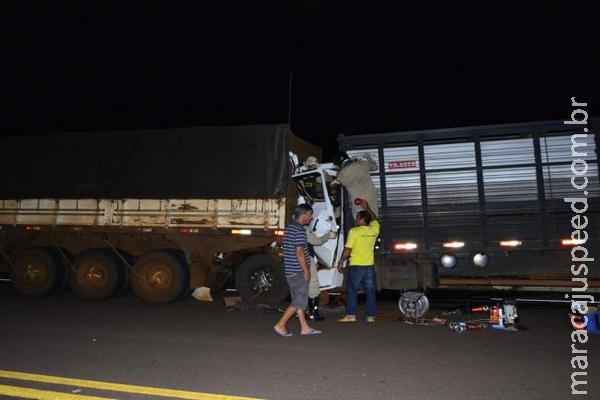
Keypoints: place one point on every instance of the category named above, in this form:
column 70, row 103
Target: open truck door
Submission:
column 315, row 189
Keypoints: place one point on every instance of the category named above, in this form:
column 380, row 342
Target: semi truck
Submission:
column 160, row 211
column 511, row 206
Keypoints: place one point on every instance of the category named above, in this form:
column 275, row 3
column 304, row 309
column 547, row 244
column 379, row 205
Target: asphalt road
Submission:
column 200, row 347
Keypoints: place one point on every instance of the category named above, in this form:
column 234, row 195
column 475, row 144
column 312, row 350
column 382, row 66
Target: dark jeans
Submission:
column 356, row 277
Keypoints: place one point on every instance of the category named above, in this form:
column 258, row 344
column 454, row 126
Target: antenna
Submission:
column 290, row 101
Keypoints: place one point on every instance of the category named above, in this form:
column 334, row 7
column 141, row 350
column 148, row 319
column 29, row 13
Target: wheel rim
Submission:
column 34, row 273
column 263, row 280
column 413, row 304
column 158, row 277
column 92, row 276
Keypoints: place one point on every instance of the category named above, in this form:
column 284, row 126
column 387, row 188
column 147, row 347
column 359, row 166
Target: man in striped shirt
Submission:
column 296, row 261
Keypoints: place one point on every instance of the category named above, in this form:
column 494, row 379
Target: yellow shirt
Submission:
column 361, row 239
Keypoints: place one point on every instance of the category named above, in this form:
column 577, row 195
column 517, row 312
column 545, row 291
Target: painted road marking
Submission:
column 117, row 387
column 15, row 391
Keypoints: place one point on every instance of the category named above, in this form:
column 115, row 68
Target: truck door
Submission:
column 315, row 190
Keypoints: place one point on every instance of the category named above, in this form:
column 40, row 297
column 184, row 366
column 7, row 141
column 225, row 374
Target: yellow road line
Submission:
column 118, row 387
column 15, row 391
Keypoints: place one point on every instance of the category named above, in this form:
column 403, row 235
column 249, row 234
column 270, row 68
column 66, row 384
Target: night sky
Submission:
column 326, row 67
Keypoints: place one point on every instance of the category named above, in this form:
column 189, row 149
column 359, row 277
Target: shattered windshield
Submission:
column 311, row 187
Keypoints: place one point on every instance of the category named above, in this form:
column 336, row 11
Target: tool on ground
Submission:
column 501, row 316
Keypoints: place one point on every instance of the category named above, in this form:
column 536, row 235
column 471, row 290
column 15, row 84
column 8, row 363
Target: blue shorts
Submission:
column 298, row 290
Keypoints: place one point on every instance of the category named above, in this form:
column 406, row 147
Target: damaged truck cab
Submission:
column 314, row 187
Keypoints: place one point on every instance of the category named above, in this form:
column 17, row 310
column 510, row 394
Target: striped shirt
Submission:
column 294, row 236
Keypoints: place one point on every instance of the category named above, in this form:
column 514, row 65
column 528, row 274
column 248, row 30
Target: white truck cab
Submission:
column 314, row 186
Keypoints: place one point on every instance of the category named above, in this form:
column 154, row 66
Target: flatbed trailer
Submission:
column 163, row 211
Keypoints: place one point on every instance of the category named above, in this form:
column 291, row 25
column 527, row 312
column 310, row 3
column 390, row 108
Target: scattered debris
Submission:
column 504, row 317
column 231, row 301
column 424, row 321
column 414, row 305
column 202, row 294
column 458, row 311
column 463, row 326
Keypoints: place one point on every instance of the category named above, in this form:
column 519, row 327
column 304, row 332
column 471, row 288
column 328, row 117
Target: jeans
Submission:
column 356, row 277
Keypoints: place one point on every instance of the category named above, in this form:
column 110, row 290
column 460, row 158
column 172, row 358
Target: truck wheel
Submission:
column 158, row 277
column 260, row 279
column 37, row 272
column 96, row 275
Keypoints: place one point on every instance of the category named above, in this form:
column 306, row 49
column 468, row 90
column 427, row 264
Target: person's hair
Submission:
column 301, row 209
column 365, row 216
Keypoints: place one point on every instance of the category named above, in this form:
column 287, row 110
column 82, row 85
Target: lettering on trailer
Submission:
column 402, row 164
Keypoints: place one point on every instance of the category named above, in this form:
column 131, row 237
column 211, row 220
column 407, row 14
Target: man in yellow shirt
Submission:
column 360, row 250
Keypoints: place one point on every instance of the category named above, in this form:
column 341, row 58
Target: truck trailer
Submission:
column 162, row 211
column 511, row 206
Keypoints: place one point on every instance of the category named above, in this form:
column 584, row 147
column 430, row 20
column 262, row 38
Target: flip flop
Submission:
column 282, row 334
column 312, row 332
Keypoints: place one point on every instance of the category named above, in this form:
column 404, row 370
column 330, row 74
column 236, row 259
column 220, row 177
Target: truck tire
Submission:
column 260, row 279
column 96, row 275
column 37, row 272
column 159, row 277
